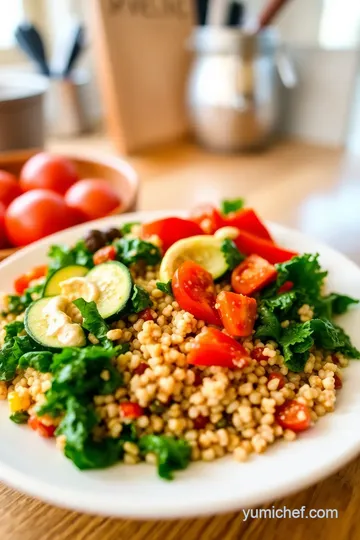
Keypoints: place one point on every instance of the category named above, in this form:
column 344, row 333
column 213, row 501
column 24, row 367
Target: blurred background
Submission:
column 205, row 99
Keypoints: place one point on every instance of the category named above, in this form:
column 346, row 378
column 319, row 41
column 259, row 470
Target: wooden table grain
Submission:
column 312, row 188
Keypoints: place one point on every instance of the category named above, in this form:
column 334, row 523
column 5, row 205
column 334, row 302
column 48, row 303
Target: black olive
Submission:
column 94, row 240
column 112, row 233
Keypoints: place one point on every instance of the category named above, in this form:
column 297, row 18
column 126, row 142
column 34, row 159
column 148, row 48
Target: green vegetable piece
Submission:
column 20, row 417
column 126, row 228
column 140, row 299
column 165, row 287
column 231, row 253
column 231, row 205
column 93, row 322
column 61, row 256
column 18, row 303
column 132, row 250
column 39, row 360
column 268, row 324
column 172, row 454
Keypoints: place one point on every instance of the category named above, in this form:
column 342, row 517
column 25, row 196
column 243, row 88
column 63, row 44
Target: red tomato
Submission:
column 170, row 230
column 40, row 428
column 9, row 187
column 146, row 315
column 252, row 275
column 194, row 290
column 92, row 198
column 288, row 285
column 34, row 215
column 128, row 409
column 200, row 422
column 48, row 171
column 3, row 238
column 107, row 253
column 248, row 244
column 280, row 377
column 338, row 382
column 208, row 217
column 214, row 348
column 257, row 354
column 22, row 282
column 293, row 415
column 247, row 220
column 142, row 367
column 237, row 312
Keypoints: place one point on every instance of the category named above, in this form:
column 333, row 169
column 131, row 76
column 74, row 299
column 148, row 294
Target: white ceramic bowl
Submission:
column 35, row 466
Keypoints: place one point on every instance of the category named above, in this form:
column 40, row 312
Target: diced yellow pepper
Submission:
column 18, row 403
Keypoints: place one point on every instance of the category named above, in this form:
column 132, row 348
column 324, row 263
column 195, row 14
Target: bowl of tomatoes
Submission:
column 42, row 193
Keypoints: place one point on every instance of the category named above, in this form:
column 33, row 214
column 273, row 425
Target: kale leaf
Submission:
column 165, row 287
column 15, row 346
column 172, row 454
column 61, row 256
column 232, row 255
column 18, row 303
column 132, row 250
column 20, row 417
column 39, row 360
column 93, row 321
column 140, row 300
column 126, row 228
column 231, row 205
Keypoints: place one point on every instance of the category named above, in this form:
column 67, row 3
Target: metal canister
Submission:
column 233, row 89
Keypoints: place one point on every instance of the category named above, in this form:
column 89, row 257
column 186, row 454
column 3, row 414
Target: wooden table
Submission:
column 314, row 189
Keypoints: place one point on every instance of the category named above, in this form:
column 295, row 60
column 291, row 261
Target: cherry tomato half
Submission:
column 258, row 354
column 107, row 253
column 209, row 218
column 252, row 275
column 170, row 230
column 48, row 171
column 293, row 415
column 237, row 312
column 214, row 348
column 36, row 214
column 40, row 428
column 9, row 188
column 129, row 409
column 194, row 290
column 22, row 282
column 247, row 220
column 249, row 243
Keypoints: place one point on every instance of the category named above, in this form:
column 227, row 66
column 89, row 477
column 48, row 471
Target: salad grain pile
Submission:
column 173, row 341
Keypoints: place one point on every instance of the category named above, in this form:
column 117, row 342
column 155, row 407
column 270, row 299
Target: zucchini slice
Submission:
column 52, row 285
column 204, row 250
column 115, row 285
column 36, row 326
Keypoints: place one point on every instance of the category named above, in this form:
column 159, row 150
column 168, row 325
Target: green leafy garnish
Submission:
column 172, row 454
column 15, row 346
column 165, row 287
column 231, row 205
column 93, row 321
column 39, row 360
column 126, row 228
column 140, row 300
column 20, row 417
column 231, row 253
column 61, row 256
column 132, row 250
column 18, row 303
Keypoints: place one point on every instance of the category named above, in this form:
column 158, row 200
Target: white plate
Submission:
column 35, row 466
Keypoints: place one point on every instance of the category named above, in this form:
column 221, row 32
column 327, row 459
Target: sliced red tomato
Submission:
column 170, row 230
column 252, row 275
column 40, row 428
column 107, row 253
column 293, row 415
column 237, row 312
column 22, row 282
column 129, row 409
column 214, row 348
column 247, row 220
column 278, row 376
column 194, row 290
column 288, row 285
column 258, row 354
column 248, row 244
column 208, row 217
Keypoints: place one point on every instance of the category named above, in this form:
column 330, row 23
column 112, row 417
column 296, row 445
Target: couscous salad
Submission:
column 173, row 341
